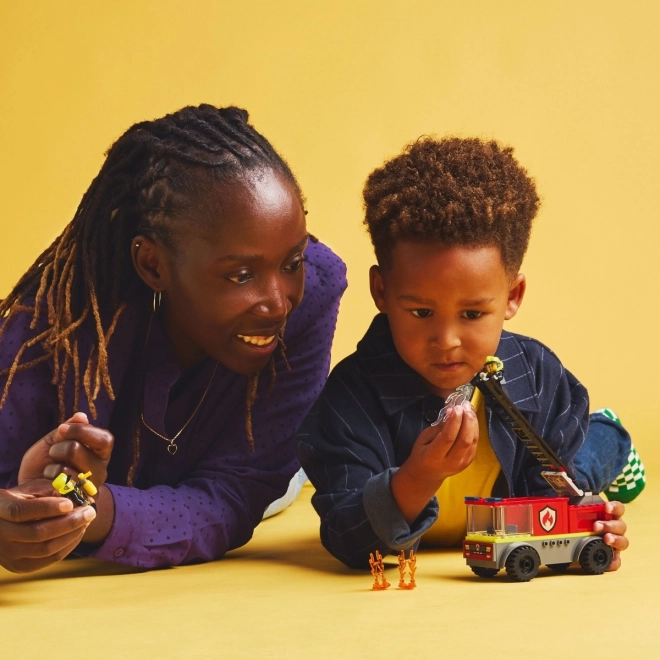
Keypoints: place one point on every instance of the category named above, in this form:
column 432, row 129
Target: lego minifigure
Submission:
column 79, row 492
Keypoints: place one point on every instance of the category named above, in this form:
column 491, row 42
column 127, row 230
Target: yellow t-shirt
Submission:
column 476, row 480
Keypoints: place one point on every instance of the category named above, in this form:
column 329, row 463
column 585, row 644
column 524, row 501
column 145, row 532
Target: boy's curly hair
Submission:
column 458, row 191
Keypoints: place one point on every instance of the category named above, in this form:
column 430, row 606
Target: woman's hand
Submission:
column 614, row 532
column 73, row 447
column 37, row 528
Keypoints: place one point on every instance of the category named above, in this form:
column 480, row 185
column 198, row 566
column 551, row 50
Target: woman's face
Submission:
column 236, row 272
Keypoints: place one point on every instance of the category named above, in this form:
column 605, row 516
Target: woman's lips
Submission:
column 259, row 346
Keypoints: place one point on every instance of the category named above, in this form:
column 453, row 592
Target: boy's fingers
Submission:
column 467, row 435
column 615, row 508
column 100, row 441
column 616, row 526
column 616, row 541
column 438, row 433
column 616, row 562
column 445, row 439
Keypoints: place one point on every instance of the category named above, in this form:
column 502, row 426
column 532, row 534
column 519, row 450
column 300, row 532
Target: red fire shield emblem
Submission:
column 548, row 518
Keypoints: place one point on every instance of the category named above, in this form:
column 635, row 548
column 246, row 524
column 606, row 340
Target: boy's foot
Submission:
column 630, row 483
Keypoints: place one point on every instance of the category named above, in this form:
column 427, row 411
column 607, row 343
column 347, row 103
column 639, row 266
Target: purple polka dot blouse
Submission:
column 207, row 498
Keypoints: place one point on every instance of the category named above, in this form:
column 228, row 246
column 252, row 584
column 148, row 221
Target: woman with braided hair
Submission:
column 163, row 343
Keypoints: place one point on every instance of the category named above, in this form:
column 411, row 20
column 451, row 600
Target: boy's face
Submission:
column 446, row 306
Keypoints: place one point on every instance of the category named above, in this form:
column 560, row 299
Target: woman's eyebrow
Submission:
column 240, row 257
column 299, row 245
column 255, row 257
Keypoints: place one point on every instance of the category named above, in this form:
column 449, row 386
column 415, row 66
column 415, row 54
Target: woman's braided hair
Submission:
column 150, row 173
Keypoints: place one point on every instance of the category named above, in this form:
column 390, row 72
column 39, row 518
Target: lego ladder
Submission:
column 561, row 480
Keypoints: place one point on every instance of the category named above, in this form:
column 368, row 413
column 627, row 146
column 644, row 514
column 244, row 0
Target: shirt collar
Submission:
column 399, row 386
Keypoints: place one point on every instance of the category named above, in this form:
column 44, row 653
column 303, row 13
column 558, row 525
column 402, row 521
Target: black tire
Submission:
column 559, row 568
column 484, row 572
column 596, row 557
column 523, row 564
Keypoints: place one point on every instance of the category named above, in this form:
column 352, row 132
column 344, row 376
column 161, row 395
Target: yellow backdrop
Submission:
column 338, row 87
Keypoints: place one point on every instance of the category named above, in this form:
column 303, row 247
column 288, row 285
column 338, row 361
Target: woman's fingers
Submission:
column 100, row 441
column 18, row 506
column 36, row 458
column 48, row 537
column 29, row 565
column 38, row 531
column 80, row 448
column 73, row 457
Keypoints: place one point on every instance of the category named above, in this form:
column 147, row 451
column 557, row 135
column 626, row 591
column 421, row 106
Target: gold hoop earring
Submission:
column 158, row 298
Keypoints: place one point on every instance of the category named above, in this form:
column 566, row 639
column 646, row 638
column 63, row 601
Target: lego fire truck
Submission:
column 521, row 533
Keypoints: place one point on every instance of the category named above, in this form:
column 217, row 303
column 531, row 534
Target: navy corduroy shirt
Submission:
column 373, row 408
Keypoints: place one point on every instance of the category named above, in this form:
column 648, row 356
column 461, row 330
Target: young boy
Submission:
column 450, row 221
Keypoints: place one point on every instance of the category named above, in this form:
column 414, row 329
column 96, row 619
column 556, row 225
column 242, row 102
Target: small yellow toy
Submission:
column 79, row 492
column 493, row 365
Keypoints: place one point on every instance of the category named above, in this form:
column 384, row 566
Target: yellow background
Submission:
column 340, row 86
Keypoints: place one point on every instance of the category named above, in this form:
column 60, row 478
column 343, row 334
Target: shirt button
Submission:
column 118, row 552
column 431, row 415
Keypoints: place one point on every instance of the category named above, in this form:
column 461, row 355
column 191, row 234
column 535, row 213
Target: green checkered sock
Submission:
column 630, row 483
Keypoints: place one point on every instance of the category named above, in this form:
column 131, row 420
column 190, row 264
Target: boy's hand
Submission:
column 614, row 532
column 442, row 451
column 73, row 447
column 38, row 529
column 438, row 453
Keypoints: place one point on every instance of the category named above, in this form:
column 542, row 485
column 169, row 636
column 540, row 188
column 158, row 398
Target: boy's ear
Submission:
column 377, row 287
column 150, row 263
column 516, row 295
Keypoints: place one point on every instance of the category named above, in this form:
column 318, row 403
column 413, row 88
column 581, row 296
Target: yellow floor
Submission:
column 283, row 596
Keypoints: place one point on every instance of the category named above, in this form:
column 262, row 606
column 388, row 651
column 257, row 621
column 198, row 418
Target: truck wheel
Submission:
column 559, row 568
column 482, row 571
column 596, row 557
column 523, row 564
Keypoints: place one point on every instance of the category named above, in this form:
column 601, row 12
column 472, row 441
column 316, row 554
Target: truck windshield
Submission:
column 499, row 520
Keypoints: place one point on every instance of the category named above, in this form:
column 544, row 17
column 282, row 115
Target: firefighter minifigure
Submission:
column 79, row 492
